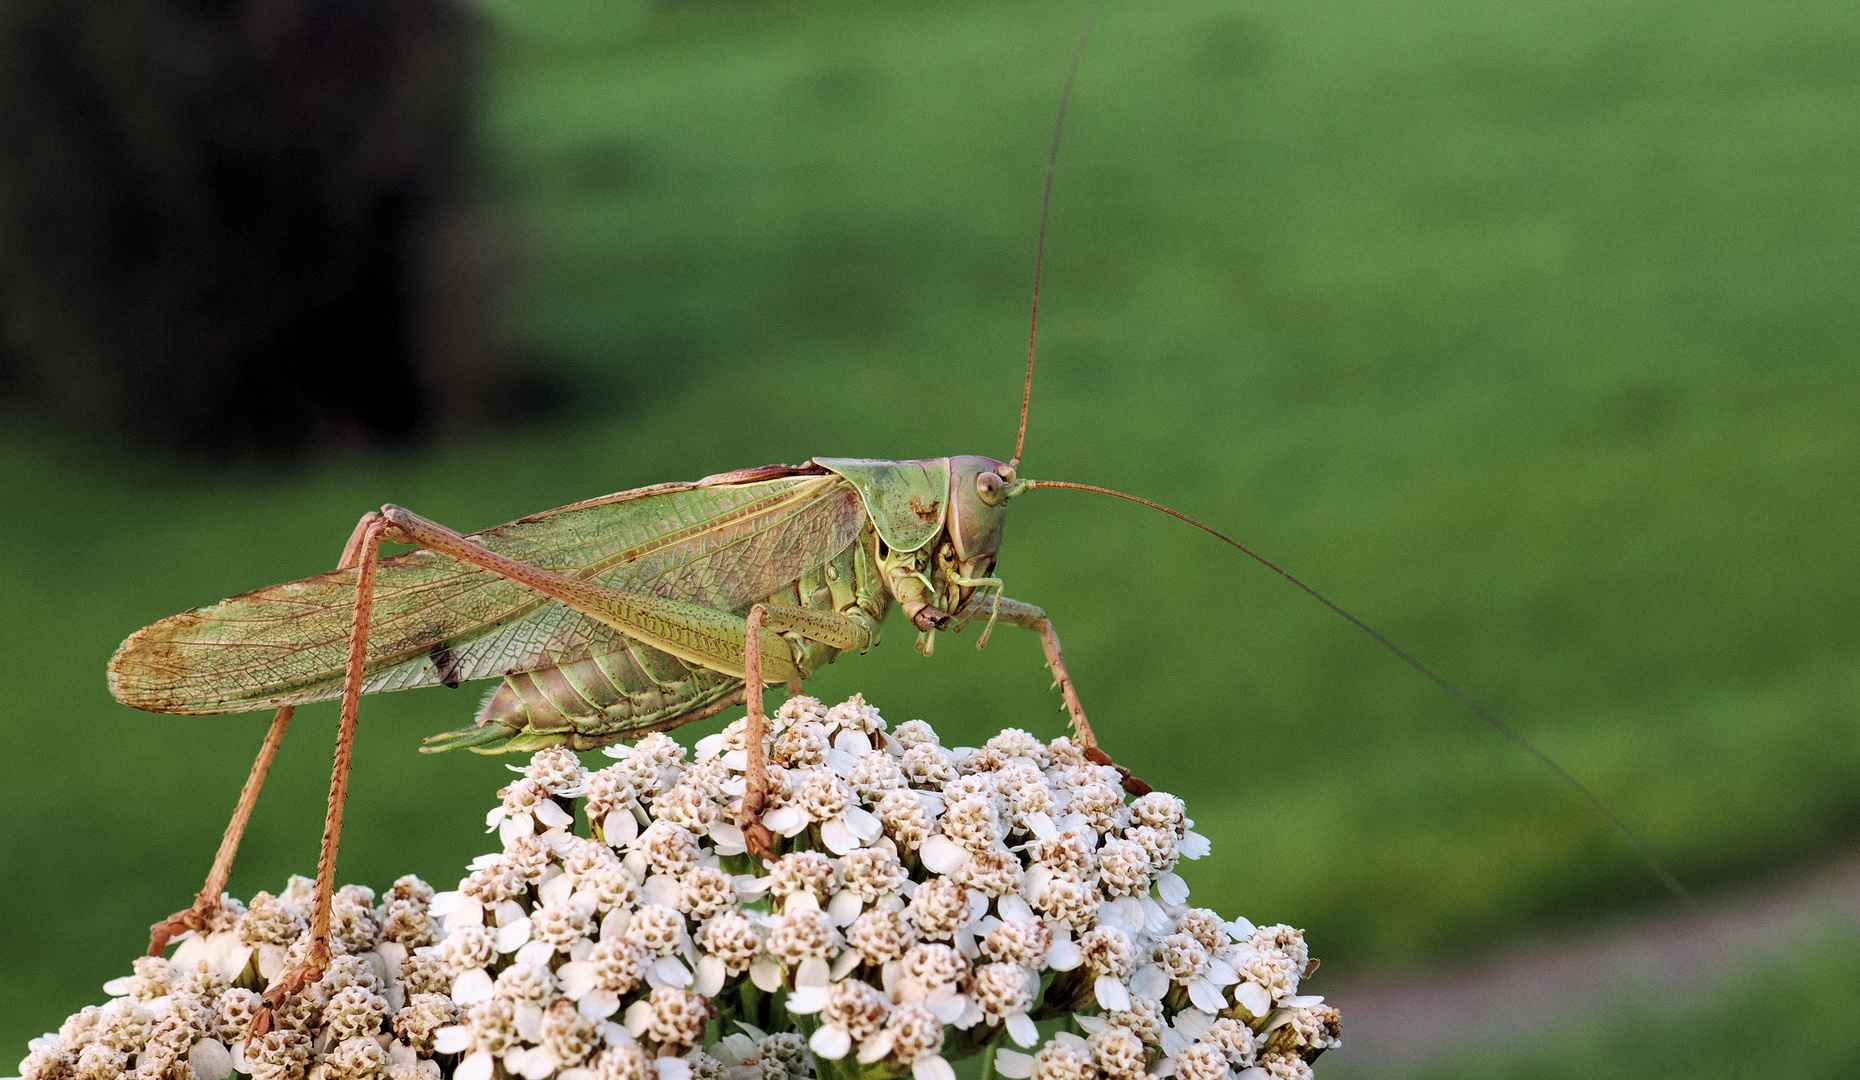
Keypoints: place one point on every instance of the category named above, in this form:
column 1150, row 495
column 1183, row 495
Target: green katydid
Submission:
column 623, row 615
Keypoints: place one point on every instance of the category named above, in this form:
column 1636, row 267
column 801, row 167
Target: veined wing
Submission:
column 725, row 542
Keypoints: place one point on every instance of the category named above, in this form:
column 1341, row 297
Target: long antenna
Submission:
column 1046, row 204
column 1633, row 838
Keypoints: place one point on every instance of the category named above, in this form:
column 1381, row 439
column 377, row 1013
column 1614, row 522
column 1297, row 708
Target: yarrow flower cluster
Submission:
column 922, row 904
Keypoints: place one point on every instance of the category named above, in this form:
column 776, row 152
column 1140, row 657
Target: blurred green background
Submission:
column 1526, row 331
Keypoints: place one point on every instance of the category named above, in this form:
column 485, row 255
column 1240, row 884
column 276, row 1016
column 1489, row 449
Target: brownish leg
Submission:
column 195, row 917
column 366, row 547
column 756, row 784
column 1024, row 614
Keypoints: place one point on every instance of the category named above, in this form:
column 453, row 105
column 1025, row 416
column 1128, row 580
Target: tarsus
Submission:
column 1633, row 838
column 1046, row 204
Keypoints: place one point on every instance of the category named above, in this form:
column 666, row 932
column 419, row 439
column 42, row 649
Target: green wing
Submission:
column 725, row 542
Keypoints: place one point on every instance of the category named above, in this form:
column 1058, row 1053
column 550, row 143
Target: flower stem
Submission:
column 988, row 1059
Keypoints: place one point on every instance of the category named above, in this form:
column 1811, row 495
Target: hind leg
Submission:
column 195, row 917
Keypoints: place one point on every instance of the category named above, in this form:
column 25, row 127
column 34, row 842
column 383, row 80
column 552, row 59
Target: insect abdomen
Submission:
column 620, row 690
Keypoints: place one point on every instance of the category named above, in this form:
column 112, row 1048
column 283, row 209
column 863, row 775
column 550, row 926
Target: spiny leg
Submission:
column 367, row 547
column 195, row 918
column 756, row 836
column 1026, row 615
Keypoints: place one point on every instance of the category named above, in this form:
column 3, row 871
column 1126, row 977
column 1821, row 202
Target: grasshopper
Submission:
column 628, row 614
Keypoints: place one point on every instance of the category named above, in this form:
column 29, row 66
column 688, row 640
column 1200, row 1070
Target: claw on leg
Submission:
column 287, row 985
column 165, row 931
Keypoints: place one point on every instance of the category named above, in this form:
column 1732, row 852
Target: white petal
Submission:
column 1064, row 956
column 1014, row 908
column 748, row 886
column 711, row 973
column 1172, row 888
column 1020, row 1028
column 737, row 760
column 660, row 889
column 1194, row 1023
column 854, row 742
column 766, row 974
column 191, row 951
column 536, row 952
column 1091, row 1025
column 932, row 1068
column 1150, row 981
column 580, row 949
column 671, row 971
column 1253, row 997
column 832, row 1042
column 839, row 836
column 728, row 838
column 516, row 828
column 785, row 820
column 711, row 745
column 455, row 1039
column 812, row 971
column 577, row 978
column 442, row 904
column 533, row 1062
column 475, row 1067
column 399, row 1053
column 672, row 1068
column 1254, row 1073
column 799, row 901
column 613, row 926
column 1222, row 973
column 580, row 1072
column 507, row 912
column 1013, row 1064
column 598, row 1005
column 529, row 1021
column 1194, row 846
column 227, row 954
column 845, row 963
column 557, row 889
column 947, row 1009
column 271, row 960
column 119, row 986
column 495, row 818
column 877, row 1046
column 844, row 908
column 1111, row 993
column 1304, row 1001
column 807, row 1000
column 1129, row 914
column 620, row 827
column 1155, row 919
column 1241, row 929
column 514, row 936
column 638, row 1017
column 943, row 855
column 615, row 1035
column 841, row 762
column 471, row 986
column 864, row 823
column 1040, row 825
column 210, row 1060
column 1206, row 996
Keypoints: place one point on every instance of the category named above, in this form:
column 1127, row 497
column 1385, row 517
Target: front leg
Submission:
column 1032, row 618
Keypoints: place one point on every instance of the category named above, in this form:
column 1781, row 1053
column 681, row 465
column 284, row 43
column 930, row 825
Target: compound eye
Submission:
column 988, row 486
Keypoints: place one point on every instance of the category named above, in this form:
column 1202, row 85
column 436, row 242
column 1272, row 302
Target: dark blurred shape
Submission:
column 235, row 226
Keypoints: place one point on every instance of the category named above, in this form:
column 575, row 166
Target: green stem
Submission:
column 988, row 1059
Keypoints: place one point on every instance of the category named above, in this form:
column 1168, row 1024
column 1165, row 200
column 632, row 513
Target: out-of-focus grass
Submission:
column 1789, row 1019
column 1525, row 333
